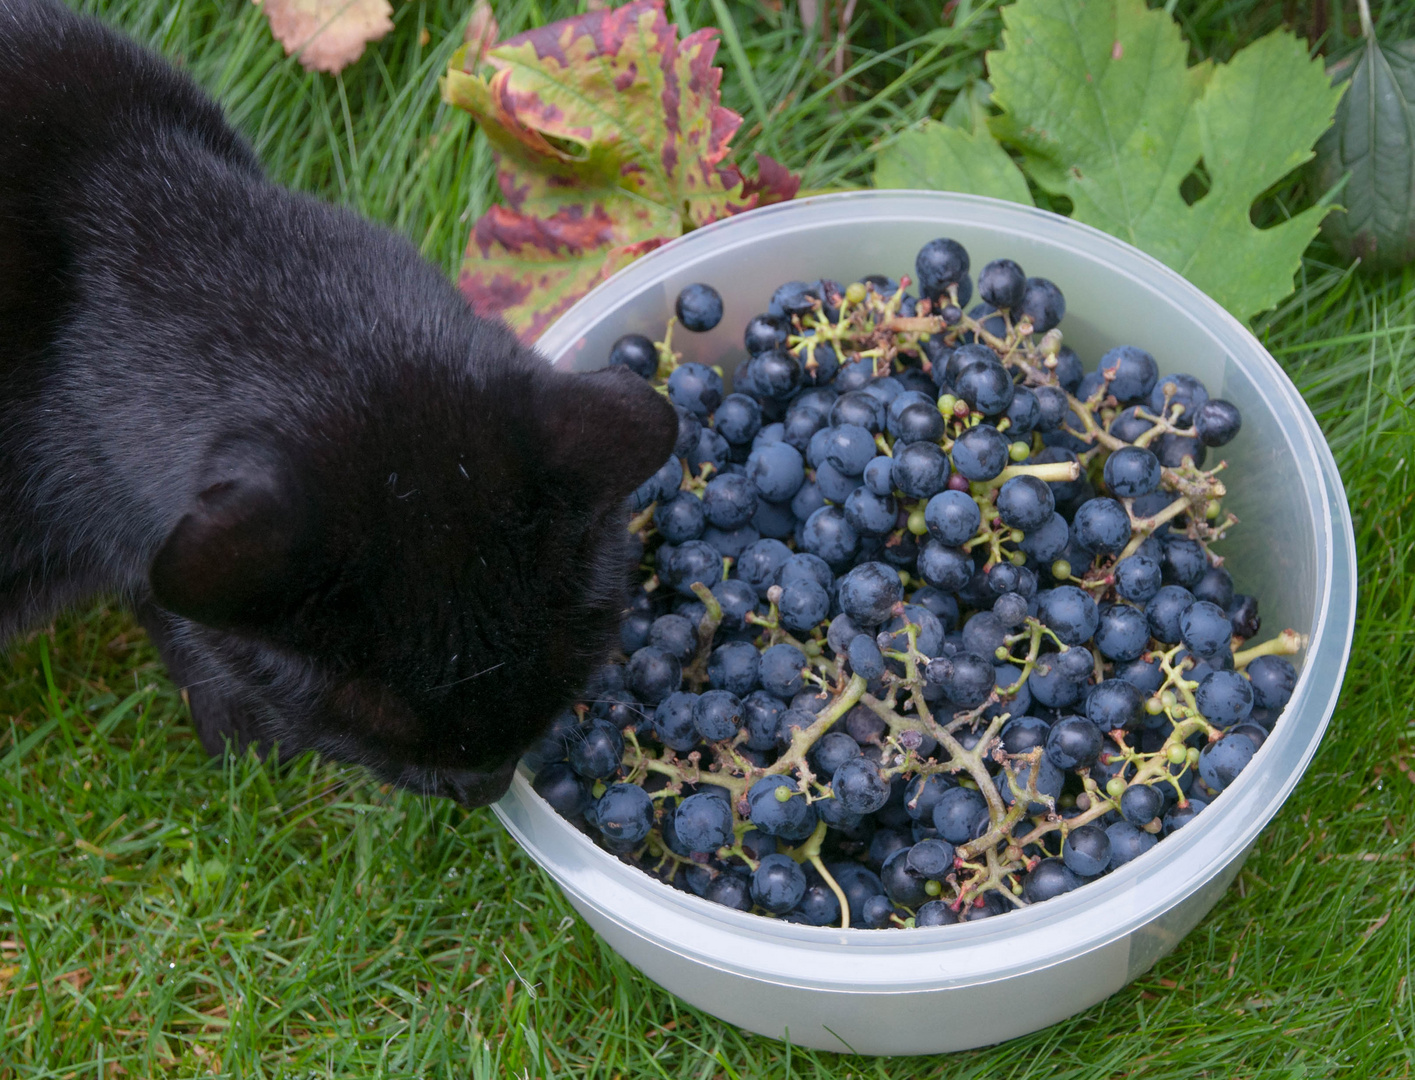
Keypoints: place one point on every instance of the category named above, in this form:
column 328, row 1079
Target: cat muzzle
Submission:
column 472, row 789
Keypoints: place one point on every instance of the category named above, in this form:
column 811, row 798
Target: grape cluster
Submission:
column 930, row 624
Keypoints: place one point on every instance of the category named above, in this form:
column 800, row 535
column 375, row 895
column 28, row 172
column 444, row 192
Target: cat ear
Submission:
column 608, row 429
column 229, row 562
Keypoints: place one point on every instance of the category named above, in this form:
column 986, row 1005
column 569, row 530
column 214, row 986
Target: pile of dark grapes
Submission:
column 929, row 625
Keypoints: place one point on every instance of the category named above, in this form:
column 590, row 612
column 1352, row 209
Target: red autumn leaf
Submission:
column 610, row 141
column 328, row 35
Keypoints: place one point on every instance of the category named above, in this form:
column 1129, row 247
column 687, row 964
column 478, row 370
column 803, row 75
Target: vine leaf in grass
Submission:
column 328, row 35
column 1098, row 98
column 947, row 158
column 1373, row 140
column 610, row 141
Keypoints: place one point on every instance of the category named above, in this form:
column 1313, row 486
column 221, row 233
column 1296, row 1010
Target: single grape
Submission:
column 1102, row 526
column 1132, row 471
column 1221, row 762
column 1024, row 502
column 624, row 812
column 979, row 453
column 1217, row 422
column 560, row 785
column 1002, row 283
column 941, row 263
column 935, row 913
column 902, row 883
column 1123, row 632
column 637, row 353
column 961, row 815
column 859, row 786
column 1073, row 743
column 1205, row 630
column 1043, row 303
column 703, row 822
column 766, row 332
column 733, row 666
column 920, row 469
column 1086, row 850
column 1164, row 611
column 1273, row 679
column 1048, row 879
column 865, row 658
column 1115, row 703
column 1224, row 697
column 1132, row 373
column 778, row 884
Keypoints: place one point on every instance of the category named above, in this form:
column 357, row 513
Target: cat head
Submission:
column 418, row 584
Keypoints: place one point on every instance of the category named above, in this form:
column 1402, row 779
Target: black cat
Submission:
column 353, row 516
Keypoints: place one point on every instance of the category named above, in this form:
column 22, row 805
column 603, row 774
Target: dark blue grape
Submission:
column 1138, row 578
column 729, row 501
column 703, row 822
column 1023, row 733
column 761, row 714
column 1127, row 843
column 986, row 387
column 849, row 448
column 870, row 514
column 928, row 639
column 730, row 543
column 730, row 889
column 778, row 884
column 761, row 562
column 980, row 453
column 1129, row 426
column 939, row 264
column 717, row 715
column 560, row 785
column 653, row 674
column 1217, row 422
column 798, row 298
column 1115, row 703
column 1132, row 471
column 1025, row 503
column 1043, row 303
column 833, row 750
column 1140, row 804
column 776, row 374
column 777, row 470
column 733, row 666
column 624, row 813
column 1216, row 586
column 865, row 658
column 675, row 635
column 1224, row 697
column 766, row 332
column 634, row 631
column 875, row 913
column 967, row 679
column 1205, row 630
column 961, row 815
column 1052, row 408
column 1049, row 783
column 737, row 599
column 920, row 469
column 935, row 913
column 1221, row 762
column 1273, row 680
column 1069, row 612
column 1243, row 614
column 1183, row 814
column 1073, row 743
column 1002, row 283
column 1048, row 879
column 1086, row 850
column 920, row 422
column 1164, row 611
column 869, row 592
column 780, row 670
column 902, row 883
column 1123, row 632
column 1046, row 543
column 777, row 817
column 1132, row 373
column 983, row 634
column 931, row 859
column 1172, row 449
column 829, row 536
column 803, row 605
column 1102, row 526
column 673, row 722
column 859, row 786
column 1184, row 562
column 637, row 353
column 699, row 307
column 1023, row 414
column 1182, row 390
column 680, row 519
column 860, row 409
column 1052, row 687
column 738, row 419
column 696, row 387
column 952, row 517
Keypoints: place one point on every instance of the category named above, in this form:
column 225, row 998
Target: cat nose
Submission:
column 472, row 788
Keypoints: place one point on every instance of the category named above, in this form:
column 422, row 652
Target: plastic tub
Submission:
column 956, row 987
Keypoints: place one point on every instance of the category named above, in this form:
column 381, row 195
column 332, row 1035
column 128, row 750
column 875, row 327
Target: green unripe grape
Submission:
column 1177, row 754
column 855, row 292
column 1061, row 569
column 1115, row 787
column 598, row 789
column 1016, row 889
column 1167, row 699
column 932, row 887
column 917, row 526
column 783, row 793
column 1066, row 801
column 1191, row 755
column 812, row 647
column 1154, row 706
column 1212, row 511
column 946, row 404
column 1000, row 652
column 1018, row 558
column 1019, row 451
column 1016, row 536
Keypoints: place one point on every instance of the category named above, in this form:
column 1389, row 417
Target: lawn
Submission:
column 163, row 916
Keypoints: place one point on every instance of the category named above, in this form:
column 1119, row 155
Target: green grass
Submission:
column 161, row 915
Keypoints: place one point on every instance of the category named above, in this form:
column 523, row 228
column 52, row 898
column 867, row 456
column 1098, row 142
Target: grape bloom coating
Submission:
column 929, row 624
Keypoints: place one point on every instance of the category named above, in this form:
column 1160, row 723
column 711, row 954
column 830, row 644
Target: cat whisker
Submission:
column 469, row 678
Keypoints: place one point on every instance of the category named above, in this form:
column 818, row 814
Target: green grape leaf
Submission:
column 610, row 140
column 1098, row 98
column 1373, row 140
column 943, row 158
